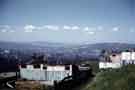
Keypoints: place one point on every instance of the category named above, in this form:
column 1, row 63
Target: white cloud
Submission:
column 5, row 26
column 86, row 28
column 67, row 27
column 51, row 27
column 28, row 27
column 3, row 30
column 75, row 28
column 91, row 32
column 115, row 29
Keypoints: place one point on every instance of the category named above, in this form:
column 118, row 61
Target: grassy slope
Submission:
column 116, row 79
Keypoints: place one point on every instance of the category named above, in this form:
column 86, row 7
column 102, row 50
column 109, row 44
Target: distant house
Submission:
column 111, row 61
column 117, row 59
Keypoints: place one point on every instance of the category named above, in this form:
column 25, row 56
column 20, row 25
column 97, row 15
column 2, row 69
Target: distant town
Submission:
column 56, row 65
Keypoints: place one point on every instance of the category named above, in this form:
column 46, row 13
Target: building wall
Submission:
column 133, row 56
column 104, row 65
column 128, row 57
column 115, row 58
column 51, row 73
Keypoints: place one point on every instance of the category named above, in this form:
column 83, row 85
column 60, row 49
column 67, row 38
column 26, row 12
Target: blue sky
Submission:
column 67, row 21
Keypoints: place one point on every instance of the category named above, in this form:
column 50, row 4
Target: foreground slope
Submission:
column 114, row 79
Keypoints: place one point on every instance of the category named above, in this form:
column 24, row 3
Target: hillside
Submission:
column 118, row 79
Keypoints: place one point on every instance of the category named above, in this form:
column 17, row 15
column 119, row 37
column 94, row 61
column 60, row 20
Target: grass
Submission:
column 113, row 79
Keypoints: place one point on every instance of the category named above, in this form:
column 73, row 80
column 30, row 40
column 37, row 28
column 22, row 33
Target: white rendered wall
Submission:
column 116, row 58
column 126, row 55
column 51, row 73
column 133, row 56
column 104, row 65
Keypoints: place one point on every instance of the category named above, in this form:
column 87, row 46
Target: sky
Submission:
column 67, row 21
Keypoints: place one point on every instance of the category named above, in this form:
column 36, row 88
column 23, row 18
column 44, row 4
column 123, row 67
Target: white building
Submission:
column 118, row 59
column 45, row 74
column 128, row 57
column 104, row 65
column 113, row 62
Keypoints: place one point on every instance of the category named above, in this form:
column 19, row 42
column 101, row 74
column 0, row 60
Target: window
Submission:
column 67, row 67
column 44, row 67
column 23, row 66
column 37, row 66
column 113, row 55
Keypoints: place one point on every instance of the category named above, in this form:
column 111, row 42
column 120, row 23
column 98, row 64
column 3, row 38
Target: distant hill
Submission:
column 97, row 46
column 84, row 50
column 33, row 45
column 108, row 46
